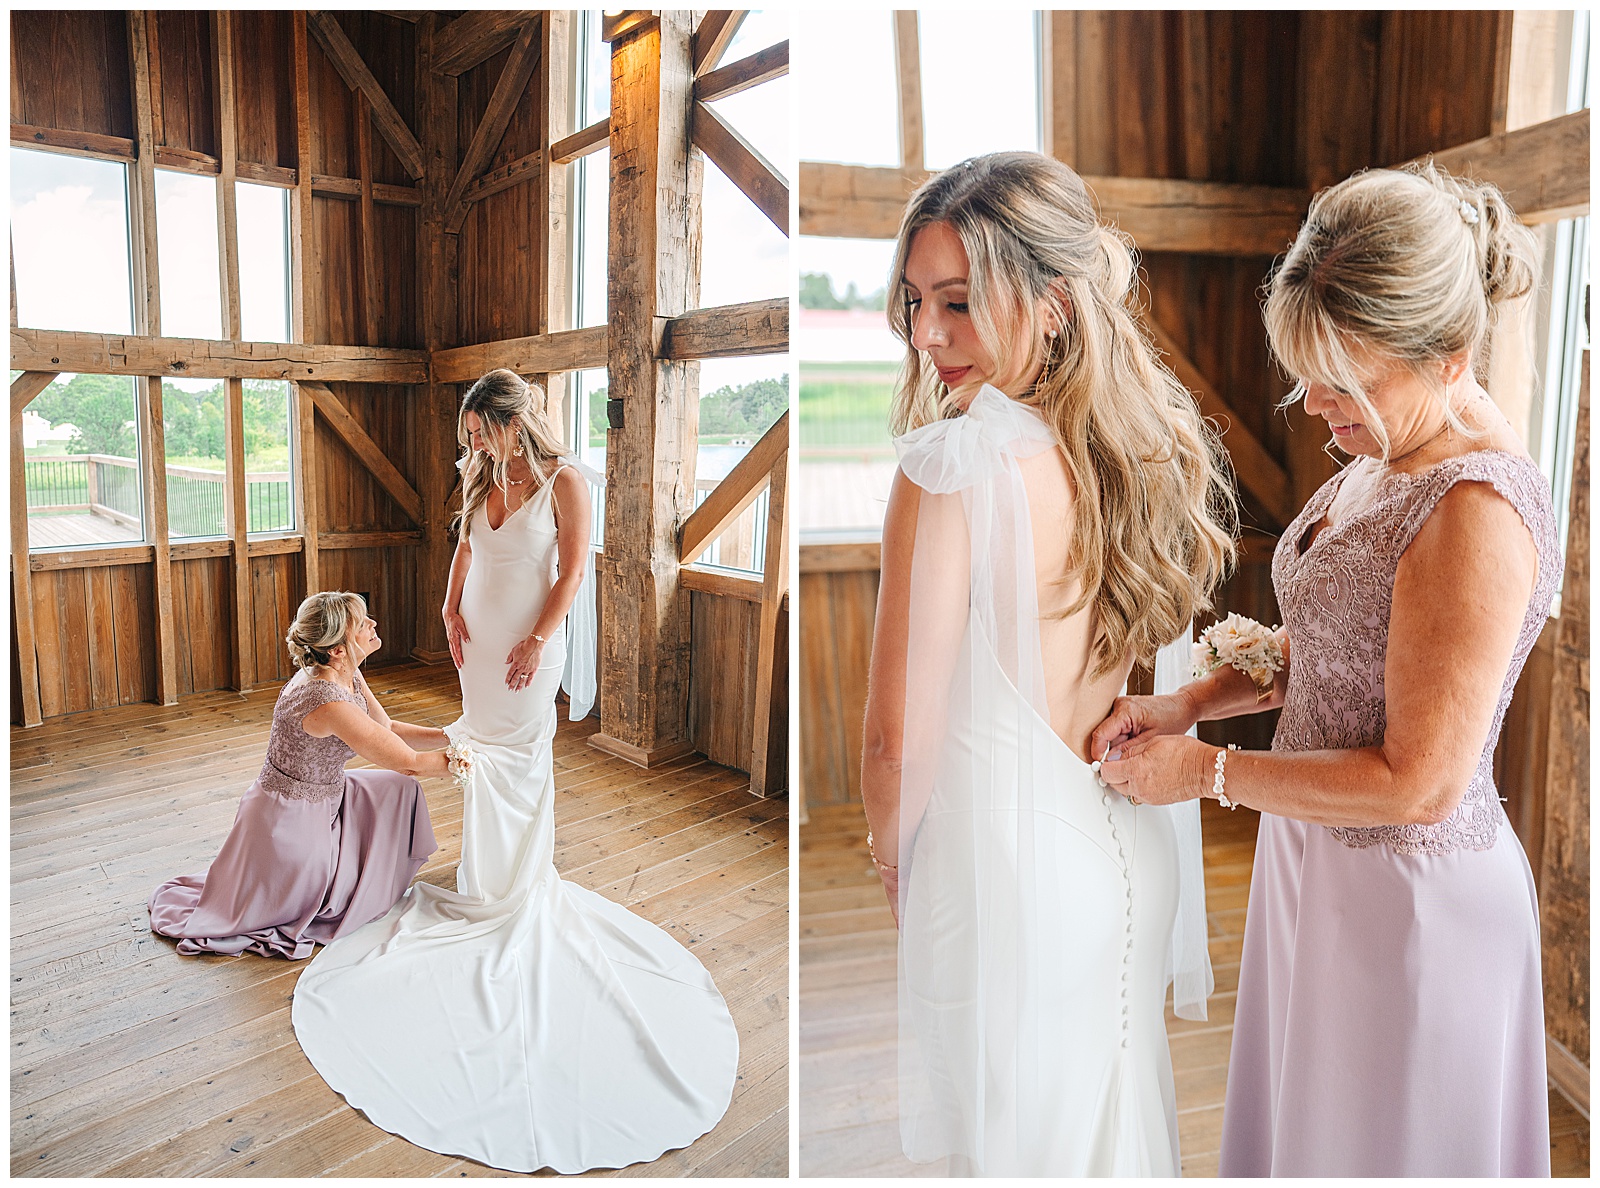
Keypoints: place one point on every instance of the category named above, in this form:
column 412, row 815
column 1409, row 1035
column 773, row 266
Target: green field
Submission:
column 844, row 408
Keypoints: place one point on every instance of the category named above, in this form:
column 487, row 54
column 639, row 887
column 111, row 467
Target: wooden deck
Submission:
column 847, row 1103
column 50, row 532
column 128, row 1060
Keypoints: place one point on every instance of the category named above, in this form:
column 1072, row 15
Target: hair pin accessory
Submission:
column 1469, row 213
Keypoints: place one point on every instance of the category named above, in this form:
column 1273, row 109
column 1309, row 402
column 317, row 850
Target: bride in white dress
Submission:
column 520, row 1020
column 1060, row 513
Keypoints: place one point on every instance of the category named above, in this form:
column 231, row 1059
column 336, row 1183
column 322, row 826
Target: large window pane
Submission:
column 980, row 83
column 268, row 460
column 194, row 420
column 69, row 243
column 186, row 248
column 263, row 262
column 743, row 257
column 589, row 263
column 81, row 443
column 761, row 116
column 843, row 64
column 740, row 399
column 589, row 432
column 848, row 365
column 759, row 29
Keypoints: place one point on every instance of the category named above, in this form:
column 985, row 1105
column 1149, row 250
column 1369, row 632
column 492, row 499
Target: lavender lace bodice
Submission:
column 1336, row 599
column 299, row 766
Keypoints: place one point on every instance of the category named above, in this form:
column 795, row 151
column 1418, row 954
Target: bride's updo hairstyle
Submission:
column 323, row 622
column 1407, row 266
column 512, row 412
column 1154, row 512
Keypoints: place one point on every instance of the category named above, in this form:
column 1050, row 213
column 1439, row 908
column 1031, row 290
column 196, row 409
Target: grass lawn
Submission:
column 845, row 406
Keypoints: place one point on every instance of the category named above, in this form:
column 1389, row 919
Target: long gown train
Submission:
column 519, row 1020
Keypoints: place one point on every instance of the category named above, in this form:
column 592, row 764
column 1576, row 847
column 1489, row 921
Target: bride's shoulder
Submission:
column 967, row 450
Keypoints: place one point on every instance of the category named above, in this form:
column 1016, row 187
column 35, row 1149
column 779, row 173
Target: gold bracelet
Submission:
column 873, row 854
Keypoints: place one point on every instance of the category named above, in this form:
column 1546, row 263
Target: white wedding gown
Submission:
column 1043, row 917
column 520, row 1020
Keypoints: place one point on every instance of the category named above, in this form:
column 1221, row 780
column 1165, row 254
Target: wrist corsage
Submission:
column 1249, row 646
column 459, row 755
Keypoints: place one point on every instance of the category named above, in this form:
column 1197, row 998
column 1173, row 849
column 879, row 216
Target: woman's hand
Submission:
column 523, row 662
column 455, row 630
column 1135, row 717
column 1161, row 768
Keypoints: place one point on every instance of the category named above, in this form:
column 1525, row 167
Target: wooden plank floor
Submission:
column 129, row 1060
column 847, row 1103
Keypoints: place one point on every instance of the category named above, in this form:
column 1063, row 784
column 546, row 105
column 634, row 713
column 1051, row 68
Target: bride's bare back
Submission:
column 1078, row 702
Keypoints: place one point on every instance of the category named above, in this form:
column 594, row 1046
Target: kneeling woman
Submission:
column 315, row 851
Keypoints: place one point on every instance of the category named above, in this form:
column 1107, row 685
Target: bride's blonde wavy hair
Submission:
column 512, row 411
column 1154, row 510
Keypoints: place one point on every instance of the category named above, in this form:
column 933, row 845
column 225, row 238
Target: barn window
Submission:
column 844, row 66
column 81, row 463
column 263, row 262
column 69, row 242
column 965, row 112
column 186, row 238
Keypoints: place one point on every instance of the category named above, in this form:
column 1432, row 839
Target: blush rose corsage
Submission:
column 1253, row 648
column 459, row 754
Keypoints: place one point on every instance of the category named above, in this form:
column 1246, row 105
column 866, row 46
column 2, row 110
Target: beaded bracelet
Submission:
column 1217, row 783
column 873, row 854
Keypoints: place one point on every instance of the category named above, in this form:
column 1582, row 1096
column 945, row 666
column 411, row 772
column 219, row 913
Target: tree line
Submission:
column 100, row 409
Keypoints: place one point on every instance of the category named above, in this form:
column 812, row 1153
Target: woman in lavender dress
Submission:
column 315, row 851
column 1389, row 1017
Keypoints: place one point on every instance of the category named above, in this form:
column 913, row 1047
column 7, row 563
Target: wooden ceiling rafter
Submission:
column 491, row 130
column 1542, row 169
column 475, row 37
column 759, row 67
column 347, row 60
column 716, row 32
column 206, row 358
column 368, row 451
column 755, row 176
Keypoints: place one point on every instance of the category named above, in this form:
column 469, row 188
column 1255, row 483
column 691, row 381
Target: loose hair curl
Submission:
column 1406, row 265
column 1154, row 512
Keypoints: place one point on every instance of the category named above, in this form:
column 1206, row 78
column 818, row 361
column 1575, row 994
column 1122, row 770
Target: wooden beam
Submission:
column 147, row 320
column 1258, row 472
column 908, row 78
column 77, row 144
column 474, row 38
column 235, row 491
column 304, row 260
column 743, row 165
column 841, row 555
column 26, row 386
column 23, row 389
column 437, row 286
column 236, row 511
column 727, row 331
column 653, row 253
column 1060, row 108
column 512, row 173
column 362, row 445
column 1162, row 215
column 720, row 582
column 508, row 92
column 565, row 350
column 210, row 358
column 717, row 30
column 1542, row 169
column 366, row 223
column 308, row 490
column 737, row 491
column 552, row 217
column 269, row 175
column 369, row 540
column 1195, row 75
column 761, row 66
column 619, row 26
column 768, row 726
column 324, row 186
column 582, row 142
column 186, row 160
column 357, row 77
column 409, row 15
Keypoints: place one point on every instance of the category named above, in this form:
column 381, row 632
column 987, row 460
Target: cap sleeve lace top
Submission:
column 1336, row 598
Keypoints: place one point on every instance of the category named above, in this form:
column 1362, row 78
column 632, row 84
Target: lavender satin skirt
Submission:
column 293, row 874
column 1389, row 1019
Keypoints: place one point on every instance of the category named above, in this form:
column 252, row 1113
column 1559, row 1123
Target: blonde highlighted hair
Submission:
column 1154, row 510
column 513, row 416
column 1409, row 266
column 323, row 622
